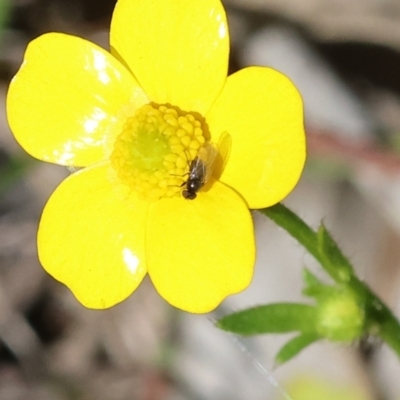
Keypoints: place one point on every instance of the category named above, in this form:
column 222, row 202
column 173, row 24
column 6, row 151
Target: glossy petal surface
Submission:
column 68, row 100
column 91, row 237
column 262, row 111
column 200, row 251
column 177, row 49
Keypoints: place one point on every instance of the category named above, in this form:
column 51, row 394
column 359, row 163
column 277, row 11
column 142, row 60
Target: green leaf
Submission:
column 295, row 346
column 271, row 318
column 333, row 260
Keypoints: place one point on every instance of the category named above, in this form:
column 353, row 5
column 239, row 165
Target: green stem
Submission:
column 295, row 226
column 380, row 320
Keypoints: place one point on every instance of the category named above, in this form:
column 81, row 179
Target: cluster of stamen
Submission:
column 153, row 152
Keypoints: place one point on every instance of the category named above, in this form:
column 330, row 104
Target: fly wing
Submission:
column 224, row 149
column 212, row 157
column 207, row 156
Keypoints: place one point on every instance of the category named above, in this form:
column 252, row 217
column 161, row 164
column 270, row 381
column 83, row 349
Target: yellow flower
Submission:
column 134, row 119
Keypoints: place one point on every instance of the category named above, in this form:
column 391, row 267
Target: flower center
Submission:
column 153, row 152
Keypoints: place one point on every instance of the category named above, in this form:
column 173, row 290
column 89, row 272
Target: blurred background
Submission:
column 344, row 56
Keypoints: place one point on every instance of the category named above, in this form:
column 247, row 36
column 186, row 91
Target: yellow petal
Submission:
column 263, row 112
column 66, row 103
column 200, row 251
column 91, row 237
column 177, row 49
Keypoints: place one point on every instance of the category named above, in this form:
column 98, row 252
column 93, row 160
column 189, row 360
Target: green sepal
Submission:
column 333, row 260
column 271, row 318
column 310, row 279
column 295, row 346
column 313, row 286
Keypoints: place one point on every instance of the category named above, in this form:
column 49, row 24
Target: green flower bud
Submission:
column 340, row 317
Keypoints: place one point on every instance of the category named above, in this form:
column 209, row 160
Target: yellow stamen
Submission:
column 154, row 149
